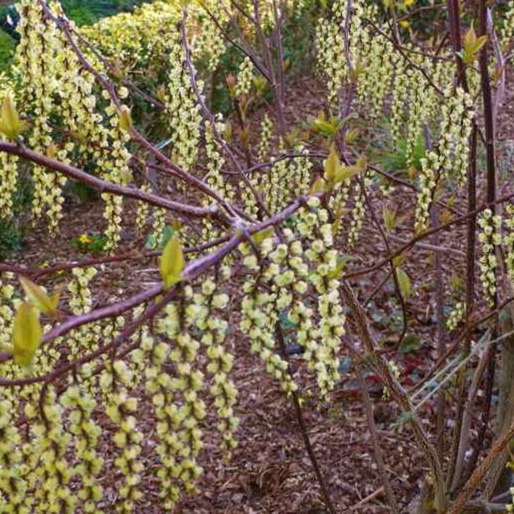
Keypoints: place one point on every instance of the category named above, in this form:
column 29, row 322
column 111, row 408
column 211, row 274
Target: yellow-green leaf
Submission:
column 351, row 135
column 125, row 118
column 319, row 186
column 292, row 137
column 390, row 219
column 362, row 163
column 470, row 37
column 39, row 298
column 332, row 164
column 27, row 333
column 54, row 298
column 472, row 45
column 9, row 113
column 337, row 272
column 398, row 260
column 172, row 261
column 117, row 70
column 324, row 126
column 10, row 124
column 404, row 283
column 52, row 151
column 259, row 237
column 260, row 83
column 457, row 283
column 346, row 173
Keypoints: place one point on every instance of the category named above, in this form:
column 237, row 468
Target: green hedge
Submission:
column 86, row 12
column 83, row 12
column 6, row 48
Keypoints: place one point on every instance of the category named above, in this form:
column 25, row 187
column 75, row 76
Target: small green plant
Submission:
column 396, row 161
column 158, row 242
column 92, row 244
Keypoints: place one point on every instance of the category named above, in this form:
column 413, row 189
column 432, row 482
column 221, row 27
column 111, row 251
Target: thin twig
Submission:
column 303, row 430
column 379, row 458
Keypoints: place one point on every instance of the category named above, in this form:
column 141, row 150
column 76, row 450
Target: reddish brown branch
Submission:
column 101, row 185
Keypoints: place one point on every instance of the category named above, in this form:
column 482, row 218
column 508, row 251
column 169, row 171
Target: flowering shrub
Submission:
column 263, row 226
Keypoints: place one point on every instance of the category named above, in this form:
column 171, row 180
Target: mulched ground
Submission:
column 270, row 471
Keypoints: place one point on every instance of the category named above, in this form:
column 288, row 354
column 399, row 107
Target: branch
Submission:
column 426, row 234
column 101, row 185
column 379, row 458
column 478, row 475
column 192, row 271
column 382, row 369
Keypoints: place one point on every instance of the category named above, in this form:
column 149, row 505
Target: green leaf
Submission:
column 345, row 173
column 351, row 135
column 402, row 419
column 326, row 127
column 398, row 260
column 154, row 241
column 319, row 186
column 172, row 262
column 470, row 37
column 27, row 333
column 151, row 242
column 410, row 344
column 167, row 234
